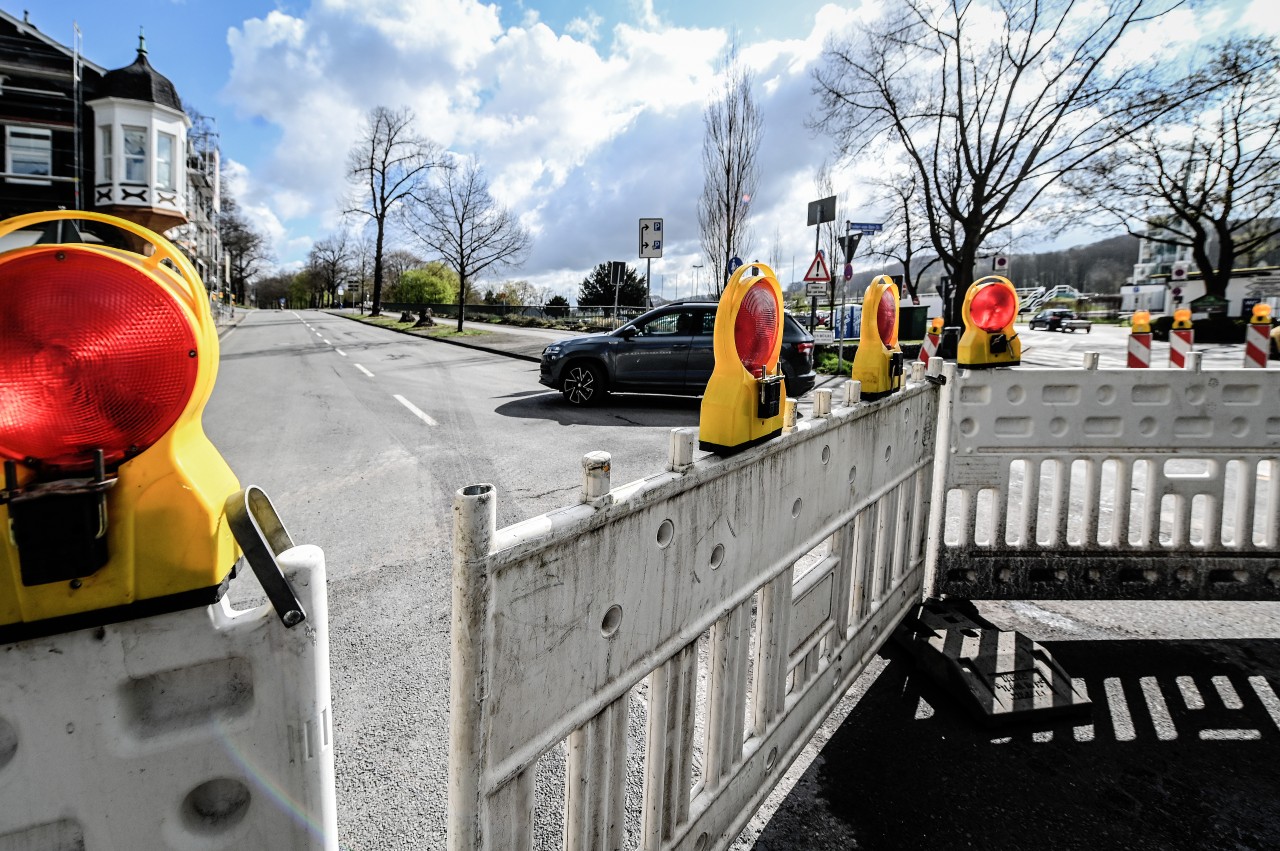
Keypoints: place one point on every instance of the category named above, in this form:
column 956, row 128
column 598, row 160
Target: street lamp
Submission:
column 697, row 278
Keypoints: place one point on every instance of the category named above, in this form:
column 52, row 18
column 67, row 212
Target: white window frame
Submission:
column 135, row 159
column 166, row 168
column 10, row 146
column 105, row 148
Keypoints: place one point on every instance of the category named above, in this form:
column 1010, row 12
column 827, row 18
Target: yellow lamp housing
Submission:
column 113, row 496
column 1261, row 314
column 1141, row 320
column 989, row 310
column 742, row 406
column 878, row 363
column 1182, row 319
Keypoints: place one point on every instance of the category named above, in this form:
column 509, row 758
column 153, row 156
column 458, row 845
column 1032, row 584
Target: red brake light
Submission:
column 94, row 354
column 804, row 348
column 886, row 317
column 755, row 328
column 992, row 307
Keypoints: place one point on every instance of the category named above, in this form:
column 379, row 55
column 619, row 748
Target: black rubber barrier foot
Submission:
column 1000, row 676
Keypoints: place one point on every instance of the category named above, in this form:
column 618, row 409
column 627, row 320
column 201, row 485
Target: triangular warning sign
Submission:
column 818, row 270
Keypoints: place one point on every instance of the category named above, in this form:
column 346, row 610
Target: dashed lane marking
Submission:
column 340, row 351
column 365, row 371
column 420, row 414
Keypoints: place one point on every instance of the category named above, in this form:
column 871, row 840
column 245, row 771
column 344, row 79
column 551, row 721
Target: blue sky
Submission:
column 585, row 117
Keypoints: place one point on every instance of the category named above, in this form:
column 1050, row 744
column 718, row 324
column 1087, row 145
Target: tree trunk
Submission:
column 462, row 300
column 376, row 309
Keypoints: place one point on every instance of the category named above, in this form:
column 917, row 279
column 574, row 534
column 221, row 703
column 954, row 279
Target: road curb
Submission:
column 462, row 344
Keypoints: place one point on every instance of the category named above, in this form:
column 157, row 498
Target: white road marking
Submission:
column 341, row 352
column 326, row 342
column 1121, row 720
column 422, row 415
column 1190, row 693
column 1268, row 697
column 1159, row 710
column 365, row 371
column 1230, row 735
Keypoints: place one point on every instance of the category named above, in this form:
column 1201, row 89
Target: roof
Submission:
column 25, row 26
column 140, row 81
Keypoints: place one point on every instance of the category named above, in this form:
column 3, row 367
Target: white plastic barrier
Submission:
column 203, row 729
column 1157, row 483
column 797, row 558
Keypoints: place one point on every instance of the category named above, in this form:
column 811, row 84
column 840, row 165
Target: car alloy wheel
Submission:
column 583, row 384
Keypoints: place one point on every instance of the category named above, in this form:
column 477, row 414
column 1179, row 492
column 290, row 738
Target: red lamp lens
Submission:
column 887, row 317
column 993, row 307
column 755, row 327
column 94, row 354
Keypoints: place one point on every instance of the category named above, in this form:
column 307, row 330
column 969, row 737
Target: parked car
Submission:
column 666, row 350
column 1060, row 319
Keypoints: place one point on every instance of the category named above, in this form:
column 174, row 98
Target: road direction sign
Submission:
column 815, row 289
column 651, row 238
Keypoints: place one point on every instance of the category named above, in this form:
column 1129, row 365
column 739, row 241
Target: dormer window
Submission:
column 135, row 154
column 28, row 151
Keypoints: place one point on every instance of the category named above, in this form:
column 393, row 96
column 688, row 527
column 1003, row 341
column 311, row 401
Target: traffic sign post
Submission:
column 651, row 239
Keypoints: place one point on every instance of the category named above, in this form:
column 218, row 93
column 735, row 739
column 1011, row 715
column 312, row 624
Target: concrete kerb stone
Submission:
column 523, row 342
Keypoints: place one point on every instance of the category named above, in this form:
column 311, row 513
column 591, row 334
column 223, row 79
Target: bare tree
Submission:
column 732, row 130
column 388, row 166
column 1210, row 178
column 245, row 246
column 462, row 224
column 329, row 264
column 906, row 231
column 991, row 107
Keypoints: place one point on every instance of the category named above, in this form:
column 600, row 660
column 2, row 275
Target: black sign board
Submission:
column 822, row 210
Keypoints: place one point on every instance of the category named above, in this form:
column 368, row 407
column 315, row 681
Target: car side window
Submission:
column 668, row 324
column 706, row 325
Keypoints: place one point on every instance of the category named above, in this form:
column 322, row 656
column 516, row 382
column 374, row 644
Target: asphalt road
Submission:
column 361, row 435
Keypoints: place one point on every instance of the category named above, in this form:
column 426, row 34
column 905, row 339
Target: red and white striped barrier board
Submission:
column 1139, row 350
column 1180, row 344
column 930, row 347
column 1257, row 338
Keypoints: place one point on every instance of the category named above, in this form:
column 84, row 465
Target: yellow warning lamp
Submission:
column 742, row 405
column 113, row 495
column 989, row 308
column 1182, row 319
column 878, row 362
column 1141, row 320
column 935, row 326
column 1261, row 314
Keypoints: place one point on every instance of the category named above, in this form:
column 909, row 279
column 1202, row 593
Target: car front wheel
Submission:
column 583, row 384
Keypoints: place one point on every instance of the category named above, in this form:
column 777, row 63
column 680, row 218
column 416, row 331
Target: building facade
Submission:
column 81, row 137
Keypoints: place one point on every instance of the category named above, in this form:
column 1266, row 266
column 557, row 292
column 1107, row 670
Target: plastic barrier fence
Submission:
column 714, row 613
column 202, row 729
column 1079, row 484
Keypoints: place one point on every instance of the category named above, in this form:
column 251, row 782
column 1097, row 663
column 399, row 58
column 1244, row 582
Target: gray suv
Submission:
column 667, row 350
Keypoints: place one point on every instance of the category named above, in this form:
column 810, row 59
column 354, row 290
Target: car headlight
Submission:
column 551, row 351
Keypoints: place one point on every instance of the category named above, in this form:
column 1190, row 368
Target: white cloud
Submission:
column 580, row 135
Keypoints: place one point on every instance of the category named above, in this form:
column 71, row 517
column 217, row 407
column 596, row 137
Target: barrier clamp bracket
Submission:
column 259, row 532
